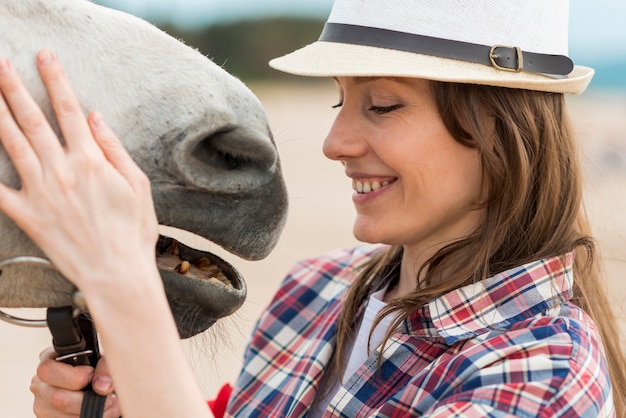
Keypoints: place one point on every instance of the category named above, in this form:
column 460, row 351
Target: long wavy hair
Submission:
column 534, row 210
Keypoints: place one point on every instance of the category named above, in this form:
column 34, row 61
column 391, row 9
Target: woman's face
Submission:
column 414, row 184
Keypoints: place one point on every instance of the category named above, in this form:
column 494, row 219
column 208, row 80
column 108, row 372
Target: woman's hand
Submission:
column 57, row 387
column 85, row 203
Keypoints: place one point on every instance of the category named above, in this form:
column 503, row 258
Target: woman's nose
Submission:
column 345, row 138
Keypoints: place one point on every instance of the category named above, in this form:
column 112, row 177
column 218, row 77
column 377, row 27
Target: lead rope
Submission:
column 75, row 340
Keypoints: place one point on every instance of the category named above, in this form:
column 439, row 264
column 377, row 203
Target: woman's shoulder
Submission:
column 549, row 365
column 567, row 337
column 560, row 355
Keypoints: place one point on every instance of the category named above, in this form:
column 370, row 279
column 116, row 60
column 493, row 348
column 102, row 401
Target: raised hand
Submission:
column 84, row 202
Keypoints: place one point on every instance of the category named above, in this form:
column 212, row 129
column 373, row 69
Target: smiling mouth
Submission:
column 365, row 186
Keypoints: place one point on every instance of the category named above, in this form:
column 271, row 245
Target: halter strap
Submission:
column 75, row 340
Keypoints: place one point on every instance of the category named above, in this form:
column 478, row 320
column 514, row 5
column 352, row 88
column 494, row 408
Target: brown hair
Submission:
column 533, row 191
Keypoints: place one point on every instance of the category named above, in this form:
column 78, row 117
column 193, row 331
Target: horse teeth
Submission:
column 174, row 248
column 183, row 267
column 215, row 280
column 206, row 265
column 203, row 263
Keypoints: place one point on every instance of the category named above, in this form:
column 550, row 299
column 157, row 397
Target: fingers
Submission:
column 51, row 401
column 9, row 201
column 57, row 387
column 114, row 150
column 24, row 124
column 63, row 375
column 102, row 383
column 26, row 134
column 68, row 111
column 13, row 140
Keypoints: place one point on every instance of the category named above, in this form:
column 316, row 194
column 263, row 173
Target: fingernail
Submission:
column 4, row 65
column 96, row 119
column 111, row 399
column 45, row 57
column 103, row 383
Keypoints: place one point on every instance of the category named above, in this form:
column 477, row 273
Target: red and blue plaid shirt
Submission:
column 509, row 346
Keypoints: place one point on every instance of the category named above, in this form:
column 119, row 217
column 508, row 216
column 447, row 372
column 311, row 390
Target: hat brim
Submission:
column 334, row 59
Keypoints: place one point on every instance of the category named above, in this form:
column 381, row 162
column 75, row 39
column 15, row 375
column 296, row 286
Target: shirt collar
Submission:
column 497, row 302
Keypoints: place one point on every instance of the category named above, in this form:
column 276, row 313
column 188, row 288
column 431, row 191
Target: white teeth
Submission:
column 366, row 187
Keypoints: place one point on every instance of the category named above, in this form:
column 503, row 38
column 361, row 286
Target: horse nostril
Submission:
column 231, row 160
column 209, row 152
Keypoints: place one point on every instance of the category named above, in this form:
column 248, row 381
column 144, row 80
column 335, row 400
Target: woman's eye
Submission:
column 381, row 110
column 337, row 105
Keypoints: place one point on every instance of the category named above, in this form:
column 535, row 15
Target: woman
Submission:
column 485, row 298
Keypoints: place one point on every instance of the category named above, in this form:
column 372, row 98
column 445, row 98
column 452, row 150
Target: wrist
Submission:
column 121, row 289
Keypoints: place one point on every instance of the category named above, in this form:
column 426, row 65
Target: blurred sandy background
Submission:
column 321, row 219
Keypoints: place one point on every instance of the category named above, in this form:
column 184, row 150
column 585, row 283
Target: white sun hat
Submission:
column 508, row 43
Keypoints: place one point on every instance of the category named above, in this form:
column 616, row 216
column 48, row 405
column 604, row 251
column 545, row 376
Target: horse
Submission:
column 198, row 132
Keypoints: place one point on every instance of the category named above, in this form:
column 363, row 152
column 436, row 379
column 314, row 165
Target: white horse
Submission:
column 199, row 134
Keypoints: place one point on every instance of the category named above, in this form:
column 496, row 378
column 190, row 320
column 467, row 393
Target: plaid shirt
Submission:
column 509, row 346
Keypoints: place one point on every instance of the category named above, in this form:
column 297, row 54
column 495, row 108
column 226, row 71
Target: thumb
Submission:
column 102, row 383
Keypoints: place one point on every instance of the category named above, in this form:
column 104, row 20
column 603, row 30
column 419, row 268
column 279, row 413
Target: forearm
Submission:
column 139, row 337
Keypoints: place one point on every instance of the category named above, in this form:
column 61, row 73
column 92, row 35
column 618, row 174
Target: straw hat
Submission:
column 508, row 43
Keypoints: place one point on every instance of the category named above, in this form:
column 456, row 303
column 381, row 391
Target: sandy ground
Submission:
column 321, row 219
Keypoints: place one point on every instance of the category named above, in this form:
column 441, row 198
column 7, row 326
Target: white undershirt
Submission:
column 357, row 353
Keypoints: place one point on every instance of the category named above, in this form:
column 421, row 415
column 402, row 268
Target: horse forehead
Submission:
column 130, row 58
column 87, row 31
column 78, row 23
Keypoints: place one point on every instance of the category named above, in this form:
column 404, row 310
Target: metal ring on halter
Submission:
column 27, row 259
column 35, row 323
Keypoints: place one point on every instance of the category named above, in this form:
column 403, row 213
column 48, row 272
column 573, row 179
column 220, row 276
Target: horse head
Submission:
column 199, row 134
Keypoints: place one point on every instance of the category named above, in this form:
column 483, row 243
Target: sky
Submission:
column 597, row 27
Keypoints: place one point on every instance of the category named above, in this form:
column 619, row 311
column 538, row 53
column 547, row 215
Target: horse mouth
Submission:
column 200, row 286
column 172, row 255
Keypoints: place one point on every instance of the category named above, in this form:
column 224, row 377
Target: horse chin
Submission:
column 200, row 286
